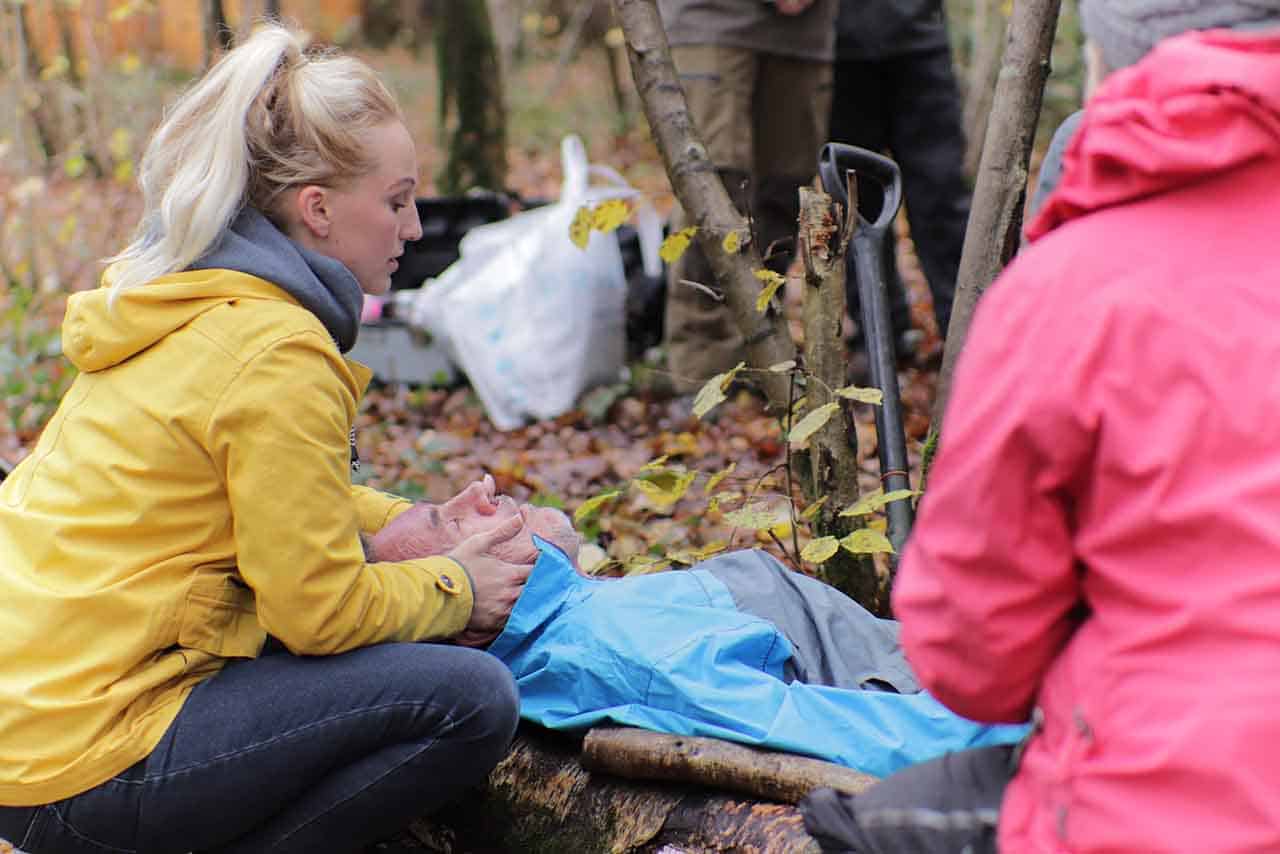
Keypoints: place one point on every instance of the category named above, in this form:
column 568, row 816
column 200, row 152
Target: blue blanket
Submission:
column 674, row 652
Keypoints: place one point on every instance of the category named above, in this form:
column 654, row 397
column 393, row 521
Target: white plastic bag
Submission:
column 530, row 318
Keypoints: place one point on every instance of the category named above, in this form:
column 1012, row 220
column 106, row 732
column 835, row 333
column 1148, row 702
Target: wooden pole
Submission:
column 642, row 755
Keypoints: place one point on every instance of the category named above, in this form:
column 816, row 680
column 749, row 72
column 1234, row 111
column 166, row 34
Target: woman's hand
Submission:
column 496, row 583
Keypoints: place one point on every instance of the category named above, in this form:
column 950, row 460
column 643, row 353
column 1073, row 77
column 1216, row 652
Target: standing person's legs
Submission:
column 701, row 337
column 291, row 754
column 861, row 100
column 948, row 805
column 792, row 107
column 927, row 140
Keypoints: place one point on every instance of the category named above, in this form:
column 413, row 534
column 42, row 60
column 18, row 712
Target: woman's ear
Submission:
column 312, row 208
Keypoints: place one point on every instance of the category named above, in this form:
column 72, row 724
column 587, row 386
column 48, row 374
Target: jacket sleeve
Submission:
column 279, row 435
column 988, row 586
column 376, row 509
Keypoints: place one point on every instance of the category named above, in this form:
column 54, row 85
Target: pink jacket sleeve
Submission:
column 988, row 585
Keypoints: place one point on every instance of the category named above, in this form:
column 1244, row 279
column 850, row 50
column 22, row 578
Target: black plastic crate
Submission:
column 444, row 221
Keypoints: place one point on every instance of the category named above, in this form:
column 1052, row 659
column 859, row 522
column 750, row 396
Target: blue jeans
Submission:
column 290, row 754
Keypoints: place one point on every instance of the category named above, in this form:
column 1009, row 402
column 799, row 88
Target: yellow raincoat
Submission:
column 191, row 494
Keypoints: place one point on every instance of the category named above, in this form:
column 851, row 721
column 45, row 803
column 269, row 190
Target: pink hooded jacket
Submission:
column 1101, row 534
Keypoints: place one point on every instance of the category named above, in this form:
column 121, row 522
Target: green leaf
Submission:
column 862, row 395
column 865, row 541
column 820, row 550
column 783, row 367
column 593, row 505
column 811, row 423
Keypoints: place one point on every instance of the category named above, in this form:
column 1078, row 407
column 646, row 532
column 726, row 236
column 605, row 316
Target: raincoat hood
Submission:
column 99, row 333
column 1201, row 104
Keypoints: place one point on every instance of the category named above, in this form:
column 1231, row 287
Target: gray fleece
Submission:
column 322, row 284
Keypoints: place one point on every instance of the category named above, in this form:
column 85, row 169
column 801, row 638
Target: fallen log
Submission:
column 541, row 800
column 643, row 755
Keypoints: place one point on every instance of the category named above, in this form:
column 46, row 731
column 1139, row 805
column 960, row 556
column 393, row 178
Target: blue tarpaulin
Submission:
column 673, row 652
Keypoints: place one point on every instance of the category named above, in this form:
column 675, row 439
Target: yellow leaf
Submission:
column 712, row 393
column 772, row 281
column 862, row 395
column 676, row 244
column 714, row 480
column 820, row 550
column 782, row 367
column 691, row 556
column 878, row 523
column 812, row 509
column 759, row 517
column 531, row 22
column 610, row 214
column 75, row 165
column 580, row 228
column 866, row 541
column 665, row 487
column 615, row 37
column 655, row 464
column 121, row 144
column 130, row 63
column 873, row 501
column 123, row 171
column 68, row 229
column 782, row 530
column 732, row 243
column 811, row 424
column 59, row 66
column 593, row 505
column 644, row 564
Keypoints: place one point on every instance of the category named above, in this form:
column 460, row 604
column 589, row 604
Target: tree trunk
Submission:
column 472, row 111
column 702, row 195
column 32, row 93
column 995, row 222
column 825, row 232
column 88, row 125
column 540, row 800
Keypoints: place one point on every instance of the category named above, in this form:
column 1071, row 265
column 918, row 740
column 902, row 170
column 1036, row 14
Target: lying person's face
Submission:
column 436, row 529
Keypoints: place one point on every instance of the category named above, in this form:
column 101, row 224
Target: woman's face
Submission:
column 371, row 217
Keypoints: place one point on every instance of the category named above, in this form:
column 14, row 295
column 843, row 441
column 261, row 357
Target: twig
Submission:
column 791, row 495
column 709, row 291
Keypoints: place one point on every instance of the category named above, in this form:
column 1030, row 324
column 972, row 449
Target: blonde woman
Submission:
column 195, row 651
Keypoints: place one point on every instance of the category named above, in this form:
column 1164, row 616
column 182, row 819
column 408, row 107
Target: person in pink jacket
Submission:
column 1098, row 550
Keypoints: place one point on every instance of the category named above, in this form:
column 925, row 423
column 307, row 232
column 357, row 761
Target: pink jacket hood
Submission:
column 1199, row 105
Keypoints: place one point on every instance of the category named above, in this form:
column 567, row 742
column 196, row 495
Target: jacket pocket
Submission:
column 220, row 618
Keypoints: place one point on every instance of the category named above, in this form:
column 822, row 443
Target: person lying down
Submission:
column 739, row 647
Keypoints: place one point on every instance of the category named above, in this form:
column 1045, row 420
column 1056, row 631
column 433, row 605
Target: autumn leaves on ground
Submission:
column 651, row 485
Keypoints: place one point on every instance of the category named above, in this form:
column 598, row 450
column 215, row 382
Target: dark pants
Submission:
column 291, row 754
column 909, row 106
column 945, row 806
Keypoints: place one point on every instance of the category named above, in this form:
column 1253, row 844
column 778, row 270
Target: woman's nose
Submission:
column 412, row 227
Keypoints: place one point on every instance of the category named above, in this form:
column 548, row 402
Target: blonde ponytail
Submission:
column 266, row 117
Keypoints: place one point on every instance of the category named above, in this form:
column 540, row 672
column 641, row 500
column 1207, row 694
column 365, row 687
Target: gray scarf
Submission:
column 322, row 284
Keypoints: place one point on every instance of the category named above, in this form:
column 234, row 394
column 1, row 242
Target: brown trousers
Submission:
column 762, row 119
